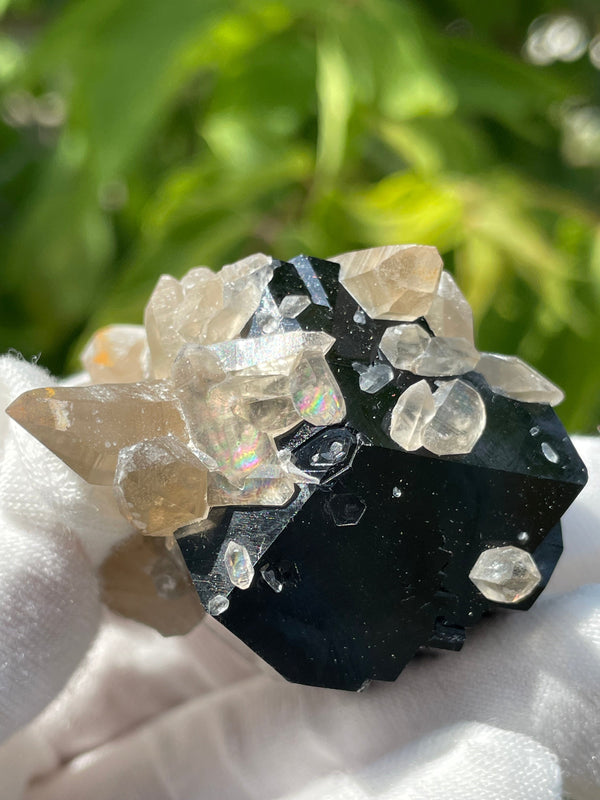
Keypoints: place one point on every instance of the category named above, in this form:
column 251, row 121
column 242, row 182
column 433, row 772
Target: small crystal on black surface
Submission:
column 372, row 564
column 351, row 479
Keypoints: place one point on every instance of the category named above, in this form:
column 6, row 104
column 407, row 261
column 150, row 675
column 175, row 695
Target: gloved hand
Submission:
column 515, row 715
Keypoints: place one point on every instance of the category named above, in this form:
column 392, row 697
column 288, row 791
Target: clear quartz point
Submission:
column 413, row 410
column 396, row 282
column 505, row 574
column 238, row 565
column 359, row 316
column 270, row 578
column 446, row 356
column 512, row 377
column 403, row 345
column 218, row 604
column 262, row 354
column 450, row 314
column 117, row 354
column 87, row 426
column 160, row 486
column 375, row 377
column 293, row 304
column 458, row 422
column 550, row 453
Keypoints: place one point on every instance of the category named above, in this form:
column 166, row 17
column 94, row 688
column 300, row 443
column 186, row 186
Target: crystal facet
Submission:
column 550, row 453
column 259, row 355
column 403, row 345
column 203, row 307
column 397, row 282
column 414, row 409
column 458, row 421
column 315, row 393
column 86, row 426
column 374, row 377
column 217, row 605
column 450, row 314
column 117, row 354
column 446, row 357
column 510, row 376
column 146, row 579
column 293, row 304
column 505, row 574
column 238, row 565
column 160, row 486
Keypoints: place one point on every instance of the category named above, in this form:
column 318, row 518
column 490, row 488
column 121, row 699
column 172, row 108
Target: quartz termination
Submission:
column 505, row 574
column 334, row 454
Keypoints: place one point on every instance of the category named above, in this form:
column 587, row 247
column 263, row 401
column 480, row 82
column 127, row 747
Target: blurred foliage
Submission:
column 142, row 137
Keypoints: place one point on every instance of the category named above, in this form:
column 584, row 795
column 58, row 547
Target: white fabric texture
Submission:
column 515, row 715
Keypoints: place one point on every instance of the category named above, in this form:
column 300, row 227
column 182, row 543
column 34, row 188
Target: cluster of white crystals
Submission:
column 184, row 413
column 505, row 574
column 407, row 283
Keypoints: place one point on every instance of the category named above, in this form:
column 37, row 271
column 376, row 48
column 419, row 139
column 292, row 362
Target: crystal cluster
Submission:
column 348, row 478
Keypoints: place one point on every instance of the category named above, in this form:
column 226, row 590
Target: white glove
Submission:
column 515, row 715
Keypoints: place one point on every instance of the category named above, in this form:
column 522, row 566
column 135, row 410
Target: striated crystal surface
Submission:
column 403, row 345
column 164, row 339
column 270, row 353
column 238, row 565
column 146, row 579
column 160, row 486
column 117, row 354
column 505, row 574
column 444, row 356
column 450, row 313
column 396, row 282
column 293, row 304
column 414, row 409
column 510, row 376
column 458, row 421
column 86, row 426
column 374, row 377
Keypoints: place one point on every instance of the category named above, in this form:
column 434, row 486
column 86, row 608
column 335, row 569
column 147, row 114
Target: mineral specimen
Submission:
column 348, row 479
column 413, row 411
column 505, row 574
column 510, row 376
column 397, row 282
column 450, row 314
column 117, row 354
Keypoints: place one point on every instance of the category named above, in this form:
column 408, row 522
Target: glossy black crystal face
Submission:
column 362, row 569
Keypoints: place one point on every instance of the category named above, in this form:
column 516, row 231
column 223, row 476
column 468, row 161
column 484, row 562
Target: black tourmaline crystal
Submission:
column 362, row 569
